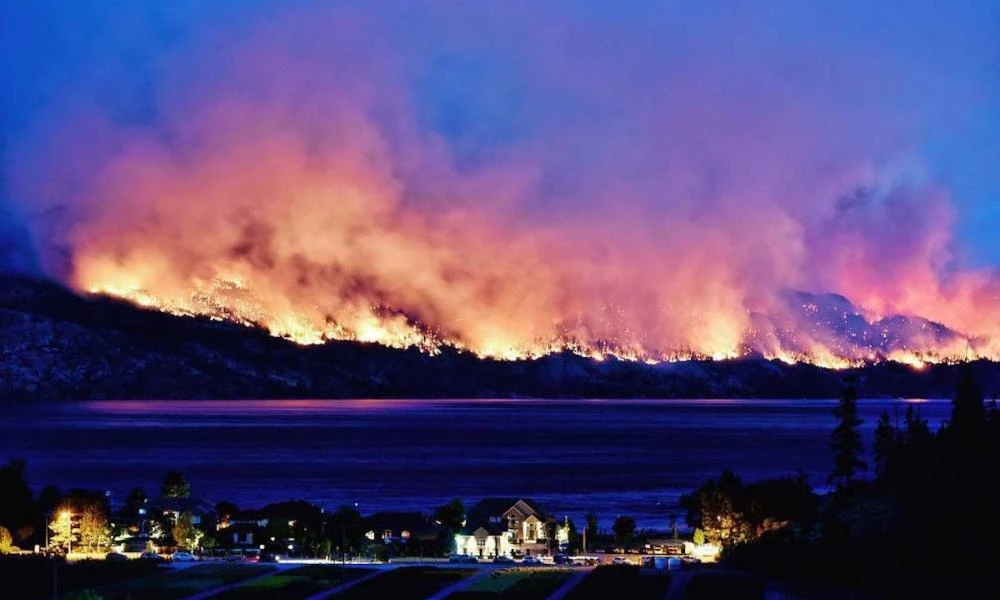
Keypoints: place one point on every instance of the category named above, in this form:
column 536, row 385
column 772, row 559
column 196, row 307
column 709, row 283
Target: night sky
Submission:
column 495, row 168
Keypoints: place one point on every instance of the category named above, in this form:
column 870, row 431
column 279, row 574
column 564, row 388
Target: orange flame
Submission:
column 299, row 192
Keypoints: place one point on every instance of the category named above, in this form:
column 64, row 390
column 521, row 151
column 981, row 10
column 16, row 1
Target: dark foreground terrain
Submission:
column 56, row 345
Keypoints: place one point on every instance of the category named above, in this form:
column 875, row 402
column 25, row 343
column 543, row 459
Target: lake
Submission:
column 607, row 456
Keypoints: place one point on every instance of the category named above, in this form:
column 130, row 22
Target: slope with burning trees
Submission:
column 57, row 345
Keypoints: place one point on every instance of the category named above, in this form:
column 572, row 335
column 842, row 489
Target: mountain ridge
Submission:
column 57, row 345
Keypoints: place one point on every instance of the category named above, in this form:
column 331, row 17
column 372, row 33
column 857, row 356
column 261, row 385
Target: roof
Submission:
column 397, row 522
column 248, row 516
column 292, row 509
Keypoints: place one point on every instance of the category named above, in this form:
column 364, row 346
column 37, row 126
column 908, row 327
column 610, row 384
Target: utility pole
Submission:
column 55, row 563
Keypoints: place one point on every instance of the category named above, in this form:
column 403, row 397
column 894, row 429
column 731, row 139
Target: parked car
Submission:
column 151, row 556
column 503, row 560
column 270, row 557
column 115, row 557
column 184, row 557
column 531, row 560
column 620, row 560
column 561, row 559
column 462, row 558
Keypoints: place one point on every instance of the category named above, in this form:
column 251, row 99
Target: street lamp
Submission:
column 67, row 516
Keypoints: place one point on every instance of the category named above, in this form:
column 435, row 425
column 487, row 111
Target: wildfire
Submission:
column 315, row 194
column 215, row 300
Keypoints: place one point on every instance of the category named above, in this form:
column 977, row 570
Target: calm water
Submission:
column 609, row 456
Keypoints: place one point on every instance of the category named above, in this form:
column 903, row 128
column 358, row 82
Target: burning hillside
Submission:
column 311, row 172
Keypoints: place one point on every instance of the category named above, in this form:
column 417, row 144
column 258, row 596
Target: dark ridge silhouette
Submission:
column 57, row 345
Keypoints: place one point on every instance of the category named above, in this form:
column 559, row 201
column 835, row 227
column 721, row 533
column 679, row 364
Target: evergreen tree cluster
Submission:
column 924, row 526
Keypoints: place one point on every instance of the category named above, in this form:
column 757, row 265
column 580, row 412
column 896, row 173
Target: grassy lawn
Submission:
column 705, row 586
column 294, row 584
column 515, row 583
column 406, row 583
column 31, row 576
column 179, row 583
column 621, row 581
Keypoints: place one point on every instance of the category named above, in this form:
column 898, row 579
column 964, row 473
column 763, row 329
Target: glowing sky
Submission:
column 507, row 172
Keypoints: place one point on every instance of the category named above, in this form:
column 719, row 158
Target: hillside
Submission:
column 56, row 345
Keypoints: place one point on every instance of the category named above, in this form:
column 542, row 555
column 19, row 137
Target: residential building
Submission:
column 399, row 527
column 511, row 527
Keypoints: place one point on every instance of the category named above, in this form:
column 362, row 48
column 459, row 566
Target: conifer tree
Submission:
column 884, row 445
column 845, row 441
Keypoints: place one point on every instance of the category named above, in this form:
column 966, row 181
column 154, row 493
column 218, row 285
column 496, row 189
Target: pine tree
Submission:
column 884, row 445
column 845, row 441
column 968, row 408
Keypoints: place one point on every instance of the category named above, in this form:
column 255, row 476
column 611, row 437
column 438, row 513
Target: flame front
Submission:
column 287, row 173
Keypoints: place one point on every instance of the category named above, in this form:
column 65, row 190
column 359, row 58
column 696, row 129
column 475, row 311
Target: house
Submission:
column 203, row 513
column 248, row 518
column 240, row 533
column 400, row 528
column 243, row 529
column 512, row 527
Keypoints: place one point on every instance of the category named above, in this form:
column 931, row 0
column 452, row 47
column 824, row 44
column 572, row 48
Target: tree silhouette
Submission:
column 845, row 441
column 624, row 528
column 451, row 514
column 884, row 445
column 968, row 409
column 175, row 486
column 590, row 528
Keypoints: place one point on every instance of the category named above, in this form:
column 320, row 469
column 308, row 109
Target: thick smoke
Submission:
column 511, row 179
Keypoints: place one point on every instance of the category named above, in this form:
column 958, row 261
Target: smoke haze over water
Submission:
column 512, row 178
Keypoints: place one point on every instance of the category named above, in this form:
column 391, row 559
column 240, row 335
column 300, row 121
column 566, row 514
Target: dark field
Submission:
column 621, row 581
column 526, row 584
column 293, row 584
column 406, row 583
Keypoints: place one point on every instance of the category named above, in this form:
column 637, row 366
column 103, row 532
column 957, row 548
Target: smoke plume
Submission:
column 510, row 178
